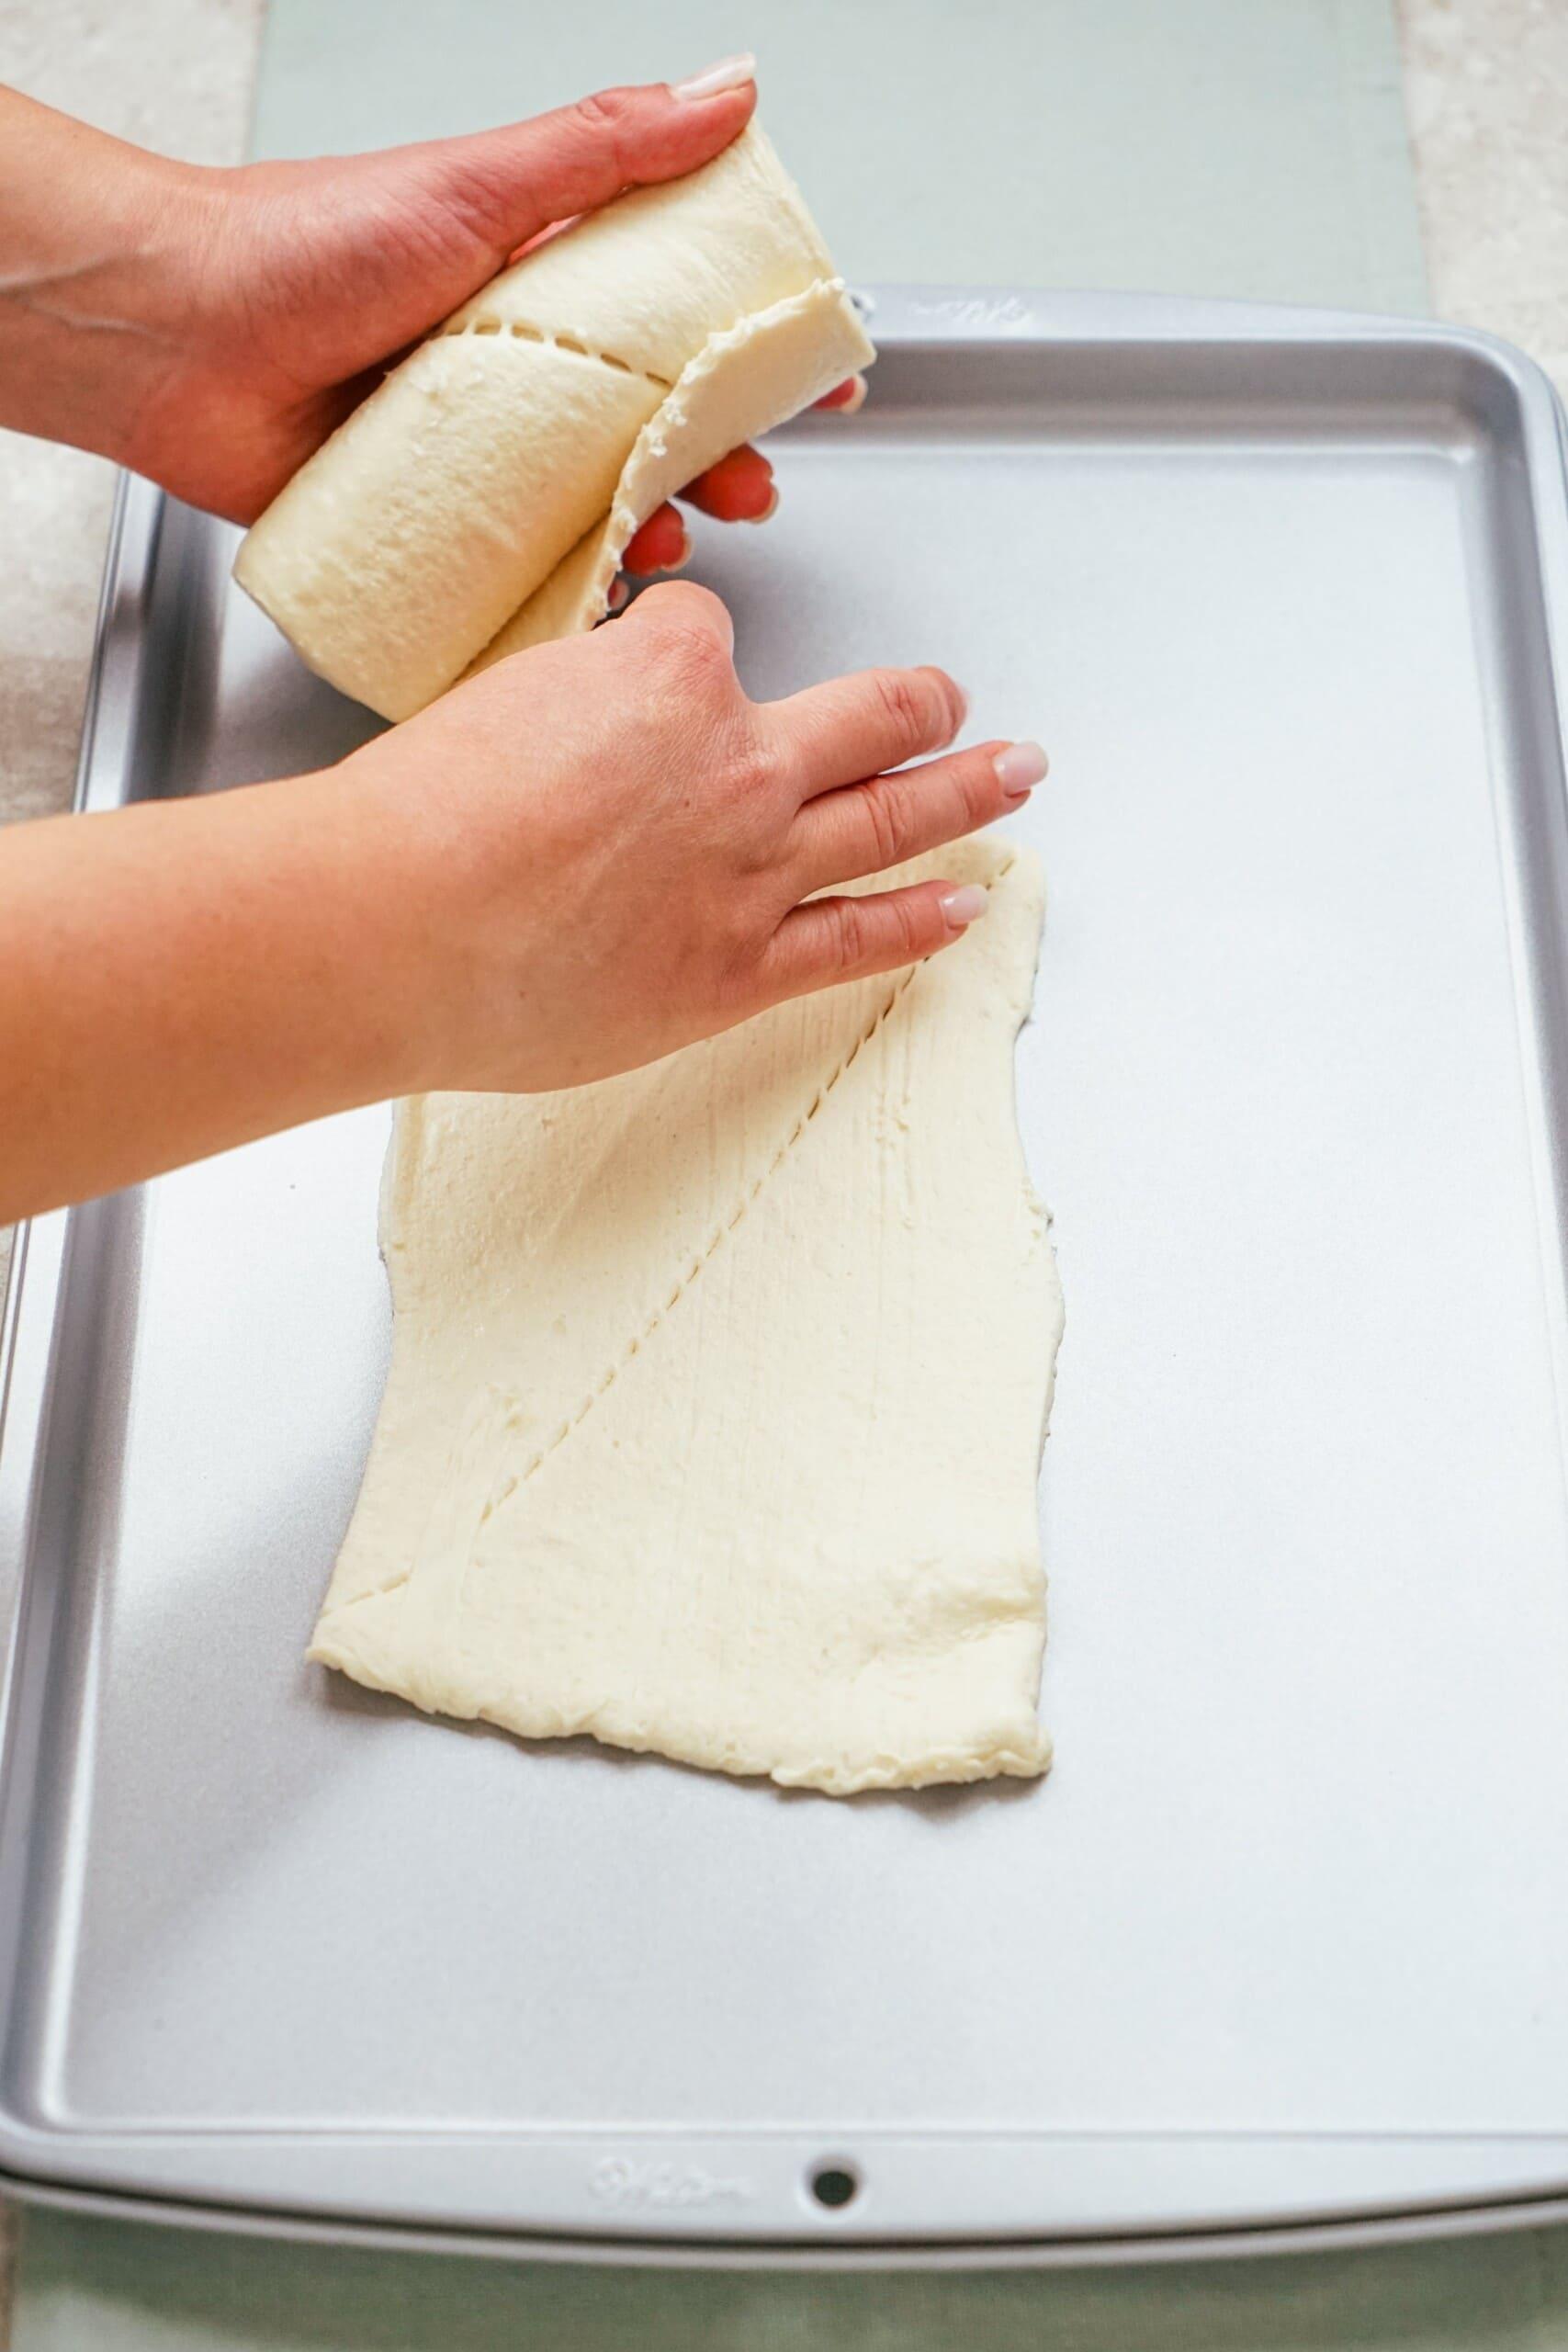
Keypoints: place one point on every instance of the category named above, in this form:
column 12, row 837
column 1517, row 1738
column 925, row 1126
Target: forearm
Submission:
column 184, row 976
column 93, row 239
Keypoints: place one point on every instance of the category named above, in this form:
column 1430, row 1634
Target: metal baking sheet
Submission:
column 1283, row 1941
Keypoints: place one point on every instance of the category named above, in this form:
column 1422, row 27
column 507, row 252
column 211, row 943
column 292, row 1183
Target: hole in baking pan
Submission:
column 834, row 2186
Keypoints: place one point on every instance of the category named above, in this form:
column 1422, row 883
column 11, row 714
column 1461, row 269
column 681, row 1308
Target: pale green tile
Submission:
column 1241, row 147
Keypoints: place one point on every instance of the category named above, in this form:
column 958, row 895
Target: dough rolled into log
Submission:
column 481, row 498
column 717, row 1391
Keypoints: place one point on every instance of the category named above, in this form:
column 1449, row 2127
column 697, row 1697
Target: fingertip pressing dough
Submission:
column 719, row 1389
column 480, row 499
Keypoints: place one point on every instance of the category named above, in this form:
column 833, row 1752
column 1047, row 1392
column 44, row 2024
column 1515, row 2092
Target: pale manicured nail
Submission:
column 729, row 74
column 962, row 906
column 1020, row 768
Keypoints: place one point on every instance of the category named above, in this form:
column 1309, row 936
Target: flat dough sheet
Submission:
column 718, row 1390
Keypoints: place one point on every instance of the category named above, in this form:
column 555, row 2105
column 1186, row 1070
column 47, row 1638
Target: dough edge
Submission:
column 300, row 564
column 745, row 380
column 1014, row 1746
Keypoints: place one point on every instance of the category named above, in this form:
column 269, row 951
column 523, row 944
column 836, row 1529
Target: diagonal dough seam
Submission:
column 721, row 1233
column 485, row 323
column 748, row 1199
column 504, row 1488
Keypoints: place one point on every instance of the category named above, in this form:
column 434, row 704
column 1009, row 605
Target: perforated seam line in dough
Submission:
column 639, row 1339
column 523, row 332
column 509, row 1487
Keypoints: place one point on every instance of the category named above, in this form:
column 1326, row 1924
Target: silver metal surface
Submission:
column 1283, row 1941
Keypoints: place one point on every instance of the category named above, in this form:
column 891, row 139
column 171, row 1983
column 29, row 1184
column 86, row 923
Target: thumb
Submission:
column 508, row 185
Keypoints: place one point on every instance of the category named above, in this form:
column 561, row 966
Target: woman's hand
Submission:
column 612, row 844
column 582, row 858
column 211, row 328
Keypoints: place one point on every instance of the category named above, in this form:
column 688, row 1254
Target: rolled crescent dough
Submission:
column 482, row 496
column 717, row 1392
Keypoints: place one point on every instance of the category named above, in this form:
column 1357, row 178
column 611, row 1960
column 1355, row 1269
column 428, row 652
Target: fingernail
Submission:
column 615, row 600
column 1020, row 768
column 729, row 74
column 962, row 906
column 682, row 556
column 966, row 705
column 769, row 511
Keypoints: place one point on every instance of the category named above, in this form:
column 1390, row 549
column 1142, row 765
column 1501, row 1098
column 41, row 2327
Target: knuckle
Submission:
column 976, row 792
column 739, row 977
column 680, row 610
column 735, row 946
column 693, row 661
column 605, row 111
column 759, row 767
column 888, row 825
column 906, row 707
column 849, row 933
column 696, row 648
column 903, row 920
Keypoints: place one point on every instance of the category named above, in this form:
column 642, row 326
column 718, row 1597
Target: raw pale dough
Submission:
column 498, row 473
column 719, row 1389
